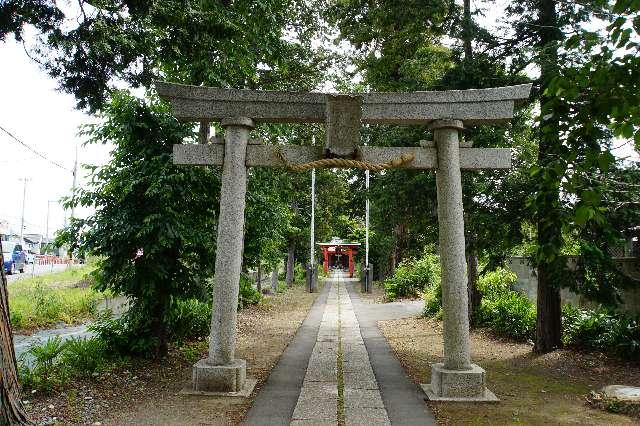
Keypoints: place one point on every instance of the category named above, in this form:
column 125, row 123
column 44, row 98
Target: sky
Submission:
column 46, row 119
column 35, row 112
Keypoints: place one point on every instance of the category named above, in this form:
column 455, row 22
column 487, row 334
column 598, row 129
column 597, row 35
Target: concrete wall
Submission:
column 527, row 284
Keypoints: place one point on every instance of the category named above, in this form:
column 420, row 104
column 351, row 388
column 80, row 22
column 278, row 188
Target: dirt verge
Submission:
column 551, row 389
column 146, row 393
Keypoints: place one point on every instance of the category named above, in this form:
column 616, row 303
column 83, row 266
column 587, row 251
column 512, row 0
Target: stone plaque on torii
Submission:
column 445, row 112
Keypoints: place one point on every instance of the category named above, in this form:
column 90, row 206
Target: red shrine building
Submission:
column 339, row 254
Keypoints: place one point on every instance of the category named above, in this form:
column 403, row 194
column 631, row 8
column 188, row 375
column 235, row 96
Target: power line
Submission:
column 44, row 157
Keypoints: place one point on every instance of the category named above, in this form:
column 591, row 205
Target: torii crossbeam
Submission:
column 445, row 112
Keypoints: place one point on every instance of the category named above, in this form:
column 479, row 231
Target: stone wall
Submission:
column 527, row 284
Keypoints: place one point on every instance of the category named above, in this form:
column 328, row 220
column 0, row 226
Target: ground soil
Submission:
column 551, row 389
column 146, row 392
column 376, row 295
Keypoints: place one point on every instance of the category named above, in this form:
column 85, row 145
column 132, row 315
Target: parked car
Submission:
column 14, row 257
column 30, row 257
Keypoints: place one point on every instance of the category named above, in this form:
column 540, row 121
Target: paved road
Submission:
column 34, row 270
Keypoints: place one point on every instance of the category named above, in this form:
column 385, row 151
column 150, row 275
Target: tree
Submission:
column 402, row 52
column 550, row 267
column 268, row 219
column 149, row 249
column 596, row 96
column 240, row 44
column 11, row 409
column 573, row 135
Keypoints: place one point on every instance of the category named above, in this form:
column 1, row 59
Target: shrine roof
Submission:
column 337, row 242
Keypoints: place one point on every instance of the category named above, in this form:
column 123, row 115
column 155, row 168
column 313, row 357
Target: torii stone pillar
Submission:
column 451, row 243
column 457, row 378
column 221, row 371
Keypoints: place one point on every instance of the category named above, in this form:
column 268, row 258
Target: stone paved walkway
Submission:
column 339, row 379
column 326, row 375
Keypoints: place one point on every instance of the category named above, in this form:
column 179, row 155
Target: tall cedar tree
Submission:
column 549, row 312
column 562, row 157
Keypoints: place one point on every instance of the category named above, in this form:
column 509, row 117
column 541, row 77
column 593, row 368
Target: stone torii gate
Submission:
column 445, row 112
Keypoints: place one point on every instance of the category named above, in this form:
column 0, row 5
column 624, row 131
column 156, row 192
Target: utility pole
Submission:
column 312, row 251
column 73, row 208
column 312, row 272
column 75, row 181
column 48, row 210
column 366, row 221
column 368, row 268
column 24, row 197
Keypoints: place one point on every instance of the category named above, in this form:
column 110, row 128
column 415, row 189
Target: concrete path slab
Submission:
column 277, row 399
column 404, row 400
column 327, row 390
column 334, row 364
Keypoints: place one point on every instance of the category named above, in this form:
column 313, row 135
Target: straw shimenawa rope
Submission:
column 346, row 163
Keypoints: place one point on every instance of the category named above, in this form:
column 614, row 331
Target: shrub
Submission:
column 496, row 283
column 127, row 335
column 433, row 300
column 186, row 319
column 248, row 295
column 510, row 314
column 50, row 365
column 46, row 355
column 412, row 277
column 299, row 274
column 84, row 357
column 601, row 330
column 189, row 319
column 40, row 366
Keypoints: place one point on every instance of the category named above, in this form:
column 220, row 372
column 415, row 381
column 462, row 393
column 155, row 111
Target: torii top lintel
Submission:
column 474, row 106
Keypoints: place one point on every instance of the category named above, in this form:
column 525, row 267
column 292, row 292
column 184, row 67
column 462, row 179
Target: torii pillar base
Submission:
column 219, row 378
column 458, row 385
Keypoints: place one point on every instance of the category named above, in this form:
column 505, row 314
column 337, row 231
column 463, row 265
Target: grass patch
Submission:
column 70, row 277
column 52, row 298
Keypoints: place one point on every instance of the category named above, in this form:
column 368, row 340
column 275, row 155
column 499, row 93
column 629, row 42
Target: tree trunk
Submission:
column 475, row 297
column 549, row 315
column 159, row 330
column 291, row 258
column 203, row 132
column 259, row 280
column 549, row 319
column 467, row 32
column 392, row 263
column 400, row 232
column 11, row 409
